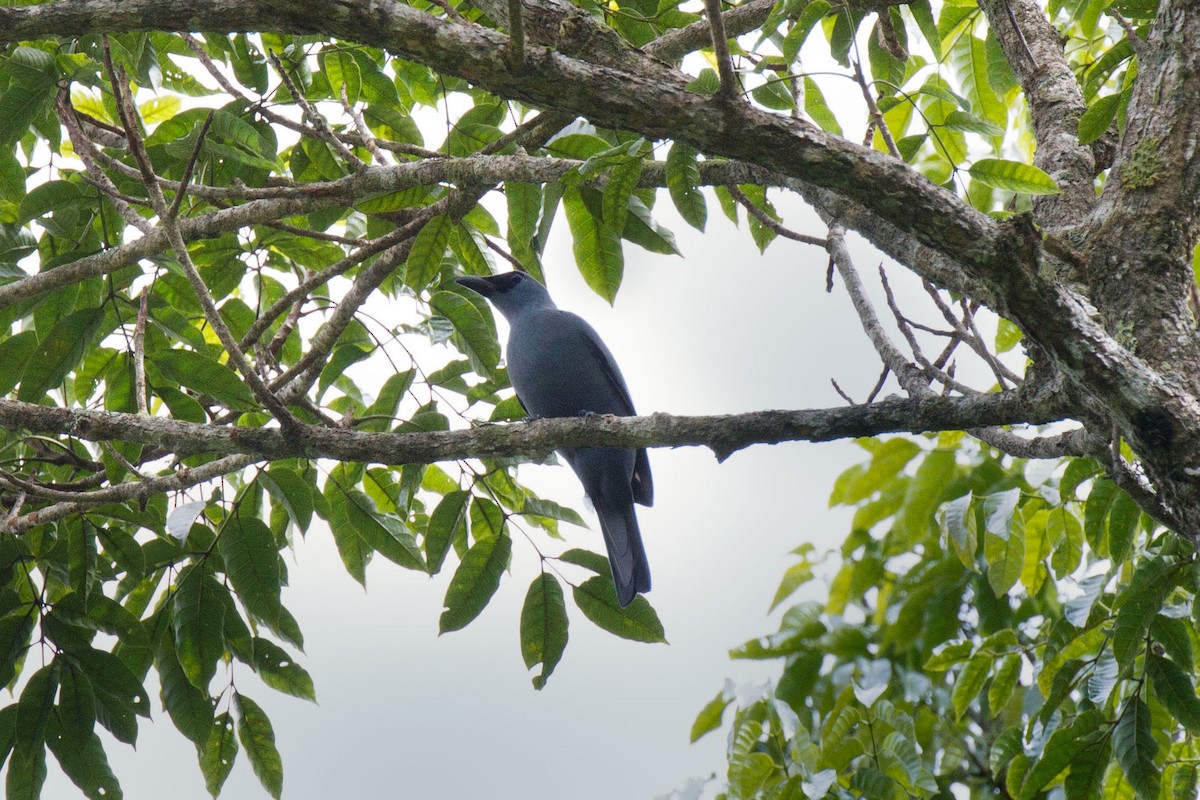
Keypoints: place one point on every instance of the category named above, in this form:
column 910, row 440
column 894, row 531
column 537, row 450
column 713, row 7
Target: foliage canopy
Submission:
column 193, row 226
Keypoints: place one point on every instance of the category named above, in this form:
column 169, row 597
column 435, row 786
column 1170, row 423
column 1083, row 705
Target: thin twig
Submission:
column 117, row 456
column 1135, row 41
column 316, row 122
column 841, row 394
column 87, row 153
column 177, row 203
column 170, row 224
column 360, row 125
column 878, row 387
column 139, row 353
column 771, row 223
column 876, row 115
column 507, row 256
column 716, row 22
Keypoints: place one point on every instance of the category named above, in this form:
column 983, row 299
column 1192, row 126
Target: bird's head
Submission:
column 510, row 292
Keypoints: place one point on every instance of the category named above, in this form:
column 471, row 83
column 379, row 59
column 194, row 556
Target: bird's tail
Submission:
column 626, row 555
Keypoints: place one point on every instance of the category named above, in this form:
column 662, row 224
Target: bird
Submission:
column 559, row 367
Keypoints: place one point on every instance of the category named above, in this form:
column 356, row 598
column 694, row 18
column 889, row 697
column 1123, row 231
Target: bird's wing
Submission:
column 643, row 483
column 611, row 373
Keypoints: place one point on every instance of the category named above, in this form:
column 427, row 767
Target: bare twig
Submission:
column 122, row 460
column 716, row 22
column 909, row 375
column 770, row 222
column 507, row 256
column 139, row 352
column 1135, row 41
column 876, row 115
column 181, row 193
column 841, row 393
column 878, row 387
column 360, row 125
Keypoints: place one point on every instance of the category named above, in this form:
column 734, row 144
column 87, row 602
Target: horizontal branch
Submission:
column 723, row 434
column 267, row 204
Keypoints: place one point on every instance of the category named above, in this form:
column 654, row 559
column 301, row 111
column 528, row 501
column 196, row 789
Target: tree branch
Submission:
column 723, row 434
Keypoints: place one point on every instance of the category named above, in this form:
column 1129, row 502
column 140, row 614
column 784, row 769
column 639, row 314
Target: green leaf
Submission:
column 340, row 360
column 774, row 95
column 959, row 521
column 1008, row 672
column 258, row 739
column 1059, row 753
column 1099, row 117
column 76, row 706
column 252, row 564
column 966, row 121
column 382, row 534
column 586, row 559
column 950, row 654
column 288, row 488
column 203, row 375
column 1087, row 773
column 638, row 621
column 475, row 581
column 1008, row 336
column 1004, row 541
column 683, row 184
column 1012, row 176
column 925, row 490
column 26, row 774
column 1123, row 519
column 341, row 70
column 84, row 762
column 819, row 110
column 21, row 105
column 1175, row 690
column 969, row 683
column 120, row 696
column 1136, row 606
column 1066, row 536
column 58, row 352
column 710, row 717
column 198, row 619
column 1095, row 511
column 596, row 245
column 189, row 708
column 524, row 210
column 280, row 671
column 425, row 256
column 543, row 626
column 622, row 180
column 475, row 330
column 217, row 753
column 444, row 522
column 1134, row 747
column 641, row 229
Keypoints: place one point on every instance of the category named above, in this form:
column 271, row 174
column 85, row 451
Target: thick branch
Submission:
column 641, row 95
column 723, row 434
column 1034, row 49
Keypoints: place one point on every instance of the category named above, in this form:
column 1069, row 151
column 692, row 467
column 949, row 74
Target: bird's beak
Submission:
column 481, row 286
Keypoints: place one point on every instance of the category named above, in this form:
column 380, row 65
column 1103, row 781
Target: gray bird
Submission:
column 560, row 368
